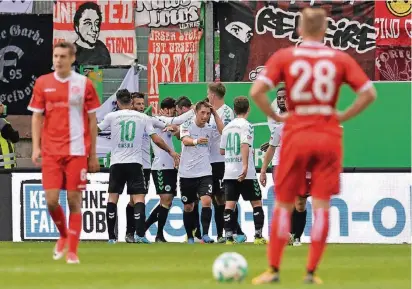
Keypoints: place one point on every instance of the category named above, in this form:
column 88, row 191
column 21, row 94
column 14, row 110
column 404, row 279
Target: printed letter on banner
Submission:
column 173, row 57
column 103, row 31
column 393, row 23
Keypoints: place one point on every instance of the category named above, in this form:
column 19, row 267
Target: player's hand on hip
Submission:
column 35, row 157
column 263, row 178
column 93, row 164
column 202, row 140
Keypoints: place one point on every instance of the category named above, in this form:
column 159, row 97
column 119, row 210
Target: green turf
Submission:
column 181, row 266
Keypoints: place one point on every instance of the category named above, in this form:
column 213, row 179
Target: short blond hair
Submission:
column 217, row 88
column 313, row 21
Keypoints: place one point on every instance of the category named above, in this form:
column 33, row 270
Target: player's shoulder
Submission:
column 46, row 78
column 187, row 123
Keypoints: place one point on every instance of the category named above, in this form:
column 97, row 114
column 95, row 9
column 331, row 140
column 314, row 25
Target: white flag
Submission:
column 130, row 82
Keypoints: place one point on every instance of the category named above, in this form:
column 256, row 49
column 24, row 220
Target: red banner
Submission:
column 393, row 23
column 103, row 31
column 173, row 57
column 393, row 64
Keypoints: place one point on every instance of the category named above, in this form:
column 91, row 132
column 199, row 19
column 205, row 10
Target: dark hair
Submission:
column 137, row 95
column 66, row 45
column 280, row 89
column 168, row 103
column 217, row 88
column 183, row 101
column 123, row 96
column 241, row 105
column 82, row 8
column 202, row 103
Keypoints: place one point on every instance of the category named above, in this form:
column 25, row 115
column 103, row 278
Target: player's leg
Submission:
column 325, row 183
column 250, row 190
column 136, row 187
column 298, row 220
column 205, row 191
column 240, row 235
column 159, row 184
column 197, row 230
column 130, row 228
column 116, row 185
column 231, row 196
column 76, row 179
column 218, row 171
column 52, row 180
column 166, row 192
column 289, row 182
column 188, row 196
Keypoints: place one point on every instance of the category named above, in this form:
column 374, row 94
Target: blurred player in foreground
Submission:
column 312, row 136
column 272, row 155
column 68, row 142
column 239, row 173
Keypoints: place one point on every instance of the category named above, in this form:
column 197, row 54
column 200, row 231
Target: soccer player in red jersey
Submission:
column 64, row 105
column 312, row 136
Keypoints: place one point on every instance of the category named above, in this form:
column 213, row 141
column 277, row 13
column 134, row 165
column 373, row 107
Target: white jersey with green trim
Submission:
column 226, row 115
column 127, row 129
column 195, row 160
column 239, row 131
column 162, row 160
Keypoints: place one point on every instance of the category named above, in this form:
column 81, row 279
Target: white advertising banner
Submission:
column 16, row 6
column 372, row 208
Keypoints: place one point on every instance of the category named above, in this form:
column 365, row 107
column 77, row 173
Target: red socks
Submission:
column 75, row 228
column 319, row 235
column 279, row 236
column 60, row 220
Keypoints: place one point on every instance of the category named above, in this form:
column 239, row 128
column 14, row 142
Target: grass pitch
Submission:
column 180, row 266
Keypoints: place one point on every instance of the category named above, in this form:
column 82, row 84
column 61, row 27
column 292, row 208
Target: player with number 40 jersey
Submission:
column 240, row 175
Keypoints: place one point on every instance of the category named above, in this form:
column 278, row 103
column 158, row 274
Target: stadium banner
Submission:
column 372, row 208
column 251, row 31
column 103, row 31
column 391, row 151
column 393, row 63
column 16, row 6
column 173, row 57
column 131, row 83
column 393, row 23
column 159, row 14
column 25, row 54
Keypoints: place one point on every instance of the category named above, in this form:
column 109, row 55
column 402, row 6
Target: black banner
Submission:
column 25, row 53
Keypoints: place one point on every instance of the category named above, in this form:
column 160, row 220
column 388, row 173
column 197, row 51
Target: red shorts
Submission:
column 64, row 172
column 307, row 151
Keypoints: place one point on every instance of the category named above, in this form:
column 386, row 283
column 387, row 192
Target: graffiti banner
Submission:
column 173, row 57
column 183, row 13
column 393, row 23
column 103, row 31
column 393, row 63
column 251, row 31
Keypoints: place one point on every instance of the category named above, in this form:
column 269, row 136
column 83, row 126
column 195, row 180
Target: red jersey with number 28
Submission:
column 313, row 75
column 66, row 104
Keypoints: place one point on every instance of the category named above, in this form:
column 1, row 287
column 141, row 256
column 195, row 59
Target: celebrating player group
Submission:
column 216, row 164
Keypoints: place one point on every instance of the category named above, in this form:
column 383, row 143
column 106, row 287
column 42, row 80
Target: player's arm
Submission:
column 246, row 142
column 186, row 138
column 160, row 142
column 361, row 84
column 92, row 103
column 219, row 123
column 182, row 118
column 267, row 80
column 223, row 142
column 273, row 144
column 37, row 105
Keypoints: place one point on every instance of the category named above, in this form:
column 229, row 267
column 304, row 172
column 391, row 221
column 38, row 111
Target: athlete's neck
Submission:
column 241, row 116
column 198, row 123
column 312, row 39
column 63, row 74
column 218, row 103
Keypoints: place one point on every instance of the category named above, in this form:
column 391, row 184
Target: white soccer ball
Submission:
column 229, row 267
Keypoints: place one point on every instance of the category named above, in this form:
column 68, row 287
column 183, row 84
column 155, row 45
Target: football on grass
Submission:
column 229, row 267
